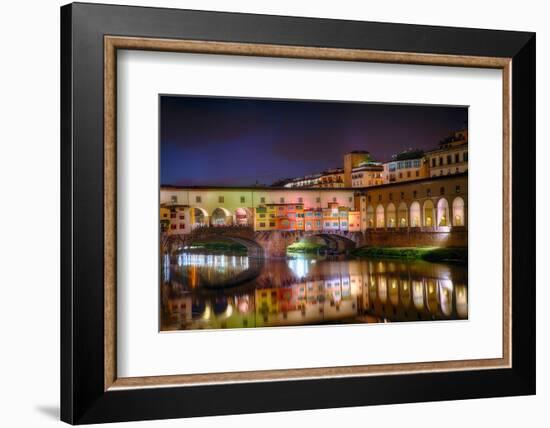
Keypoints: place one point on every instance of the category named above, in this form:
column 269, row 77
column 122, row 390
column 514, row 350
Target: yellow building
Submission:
column 354, row 221
column 451, row 157
column 332, row 178
column 353, row 160
column 367, row 174
column 406, row 166
column 264, row 217
column 164, row 219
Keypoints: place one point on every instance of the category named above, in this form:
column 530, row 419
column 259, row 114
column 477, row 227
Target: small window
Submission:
column 428, row 192
column 379, row 198
column 221, row 199
column 465, row 156
column 414, row 194
column 262, row 224
column 174, row 199
column 318, row 199
column 262, row 200
column 402, row 195
column 301, row 200
column 182, row 226
column 433, row 161
column 457, row 158
column 172, row 226
column 198, row 199
column 457, row 188
column 243, row 199
column 442, row 191
column 350, row 199
column 449, row 159
column 368, row 198
column 282, row 200
column 417, row 173
column 334, row 199
column 391, row 196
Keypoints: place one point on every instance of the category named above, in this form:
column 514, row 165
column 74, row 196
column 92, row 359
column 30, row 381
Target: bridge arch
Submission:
column 337, row 242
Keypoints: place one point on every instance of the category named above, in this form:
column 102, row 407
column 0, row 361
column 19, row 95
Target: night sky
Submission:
column 240, row 142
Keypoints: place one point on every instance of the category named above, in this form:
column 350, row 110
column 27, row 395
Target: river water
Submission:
column 212, row 291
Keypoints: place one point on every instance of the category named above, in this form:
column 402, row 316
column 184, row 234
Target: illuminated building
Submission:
column 451, row 157
column 354, row 220
column 406, row 166
column 433, row 202
column 313, row 219
column 332, row 178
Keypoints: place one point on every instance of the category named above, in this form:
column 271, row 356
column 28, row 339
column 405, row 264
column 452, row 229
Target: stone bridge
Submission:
column 261, row 244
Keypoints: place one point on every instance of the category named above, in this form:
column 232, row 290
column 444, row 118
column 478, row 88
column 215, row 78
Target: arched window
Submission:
column 370, row 216
column 221, row 217
column 379, row 216
column 243, row 216
column 415, row 214
column 402, row 215
column 458, row 211
column 428, row 211
column 443, row 212
column 390, row 214
column 198, row 217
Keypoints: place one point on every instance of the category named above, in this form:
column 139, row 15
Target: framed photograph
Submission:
column 273, row 213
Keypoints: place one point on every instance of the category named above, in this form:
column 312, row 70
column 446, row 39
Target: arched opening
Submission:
column 428, row 211
column 199, row 217
column 415, row 214
column 390, row 214
column 243, row 217
column 458, row 211
column 379, row 216
column 221, row 217
column 402, row 215
column 443, row 212
column 370, row 217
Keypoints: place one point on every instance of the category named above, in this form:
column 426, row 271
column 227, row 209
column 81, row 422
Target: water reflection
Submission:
column 303, row 291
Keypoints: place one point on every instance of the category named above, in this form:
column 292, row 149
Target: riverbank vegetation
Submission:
column 457, row 255
column 306, row 248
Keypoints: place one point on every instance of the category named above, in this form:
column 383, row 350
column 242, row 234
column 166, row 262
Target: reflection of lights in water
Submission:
column 446, row 296
column 229, row 311
column 394, row 292
column 382, row 289
column 461, row 301
column 299, row 266
column 243, row 304
column 207, row 312
column 418, row 295
column 331, row 292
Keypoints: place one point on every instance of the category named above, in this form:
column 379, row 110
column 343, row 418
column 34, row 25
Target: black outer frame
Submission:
column 83, row 399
